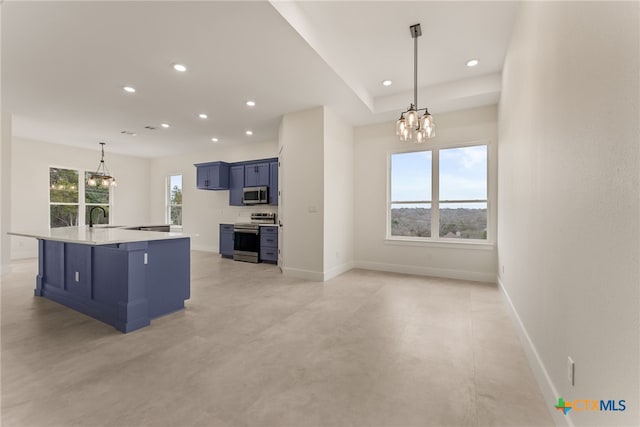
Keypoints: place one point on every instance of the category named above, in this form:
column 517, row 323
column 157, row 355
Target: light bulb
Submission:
column 400, row 126
column 114, row 183
column 91, row 182
column 426, row 120
column 431, row 132
column 412, row 118
column 105, row 182
column 420, row 136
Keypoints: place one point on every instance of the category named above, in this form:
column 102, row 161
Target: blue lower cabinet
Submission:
column 269, row 244
column 226, row 240
column 125, row 285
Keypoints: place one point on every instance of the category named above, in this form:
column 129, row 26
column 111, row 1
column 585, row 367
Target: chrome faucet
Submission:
column 104, row 214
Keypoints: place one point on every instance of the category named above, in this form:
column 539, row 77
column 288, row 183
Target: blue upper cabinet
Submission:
column 236, row 176
column 273, row 183
column 236, row 185
column 212, row 176
column 256, row 175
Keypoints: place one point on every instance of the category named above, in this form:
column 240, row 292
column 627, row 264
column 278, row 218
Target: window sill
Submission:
column 467, row 244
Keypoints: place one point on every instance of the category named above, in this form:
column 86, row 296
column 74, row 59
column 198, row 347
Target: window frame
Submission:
column 167, row 199
column 435, row 240
column 82, row 205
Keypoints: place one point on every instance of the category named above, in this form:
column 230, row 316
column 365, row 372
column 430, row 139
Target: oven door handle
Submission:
column 247, row 232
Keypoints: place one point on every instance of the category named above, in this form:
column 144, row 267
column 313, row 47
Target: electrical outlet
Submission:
column 571, row 371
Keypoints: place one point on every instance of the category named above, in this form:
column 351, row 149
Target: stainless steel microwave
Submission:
column 255, row 195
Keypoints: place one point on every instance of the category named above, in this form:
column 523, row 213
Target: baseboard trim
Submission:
column 427, row 271
column 315, row 276
column 549, row 391
column 338, row 270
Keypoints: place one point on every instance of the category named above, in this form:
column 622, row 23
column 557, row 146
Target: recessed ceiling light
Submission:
column 251, row 103
column 249, row 132
column 472, row 62
column 129, row 89
column 386, row 83
column 164, row 125
column 202, row 115
column 214, row 139
column 179, row 67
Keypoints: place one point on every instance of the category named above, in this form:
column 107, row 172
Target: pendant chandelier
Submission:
column 411, row 126
column 101, row 176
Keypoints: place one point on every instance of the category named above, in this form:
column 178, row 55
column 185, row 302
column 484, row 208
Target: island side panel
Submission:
column 119, row 279
column 168, row 276
column 52, row 269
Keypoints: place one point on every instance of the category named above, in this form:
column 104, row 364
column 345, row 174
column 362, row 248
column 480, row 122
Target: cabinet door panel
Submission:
column 250, row 176
column 78, row 269
column 202, row 176
column 226, row 240
column 273, row 183
column 236, row 184
column 262, row 171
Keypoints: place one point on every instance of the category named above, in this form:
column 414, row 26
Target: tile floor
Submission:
column 254, row 348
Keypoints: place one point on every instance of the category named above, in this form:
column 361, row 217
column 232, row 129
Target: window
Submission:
column 439, row 194
column 63, row 197
column 96, row 196
column 174, row 200
column 411, row 194
column 69, row 196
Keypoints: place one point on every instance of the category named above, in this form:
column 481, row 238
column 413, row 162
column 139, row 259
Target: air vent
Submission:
column 151, row 127
column 128, row 132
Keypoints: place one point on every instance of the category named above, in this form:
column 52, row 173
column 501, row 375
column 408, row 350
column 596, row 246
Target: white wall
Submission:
column 5, row 192
column 203, row 210
column 30, row 186
column 301, row 140
column 569, row 212
column 373, row 144
column 338, row 195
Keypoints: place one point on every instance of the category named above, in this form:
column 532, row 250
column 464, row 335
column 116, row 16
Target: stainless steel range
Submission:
column 246, row 243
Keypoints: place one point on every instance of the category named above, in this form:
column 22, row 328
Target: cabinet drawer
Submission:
column 269, row 241
column 226, row 227
column 269, row 254
column 269, row 231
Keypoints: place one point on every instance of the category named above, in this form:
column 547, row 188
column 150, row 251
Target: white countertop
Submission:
column 98, row 235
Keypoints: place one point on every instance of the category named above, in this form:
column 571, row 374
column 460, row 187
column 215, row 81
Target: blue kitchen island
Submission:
column 123, row 277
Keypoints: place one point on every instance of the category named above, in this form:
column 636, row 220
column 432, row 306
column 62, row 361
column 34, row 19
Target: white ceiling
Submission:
column 64, row 65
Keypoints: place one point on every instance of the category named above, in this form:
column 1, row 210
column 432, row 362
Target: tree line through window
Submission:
column 439, row 194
